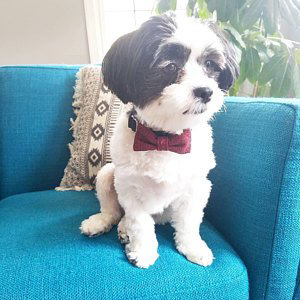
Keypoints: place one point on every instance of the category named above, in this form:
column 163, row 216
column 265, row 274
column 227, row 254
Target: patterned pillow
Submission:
column 96, row 112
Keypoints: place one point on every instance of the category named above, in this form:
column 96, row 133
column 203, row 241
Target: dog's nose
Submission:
column 204, row 93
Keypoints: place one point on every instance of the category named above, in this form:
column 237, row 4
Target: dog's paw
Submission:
column 141, row 258
column 122, row 232
column 97, row 224
column 200, row 254
column 204, row 257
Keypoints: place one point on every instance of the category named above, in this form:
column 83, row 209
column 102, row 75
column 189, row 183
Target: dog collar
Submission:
column 146, row 139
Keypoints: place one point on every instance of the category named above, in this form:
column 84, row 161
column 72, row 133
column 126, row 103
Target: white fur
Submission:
column 162, row 186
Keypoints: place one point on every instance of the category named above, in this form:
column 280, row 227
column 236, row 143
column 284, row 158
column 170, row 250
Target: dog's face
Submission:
column 175, row 71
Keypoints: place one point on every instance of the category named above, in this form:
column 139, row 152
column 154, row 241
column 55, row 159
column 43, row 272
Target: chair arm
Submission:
column 255, row 200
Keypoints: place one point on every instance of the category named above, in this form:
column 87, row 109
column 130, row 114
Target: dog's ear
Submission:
column 232, row 70
column 116, row 68
column 129, row 59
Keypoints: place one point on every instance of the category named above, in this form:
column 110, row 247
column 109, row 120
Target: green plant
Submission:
column 268, row 60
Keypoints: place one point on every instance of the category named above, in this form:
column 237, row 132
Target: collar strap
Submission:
column 133, row 125
column 132, row 122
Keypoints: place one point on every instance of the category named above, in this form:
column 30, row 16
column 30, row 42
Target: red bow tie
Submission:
column 146, row 139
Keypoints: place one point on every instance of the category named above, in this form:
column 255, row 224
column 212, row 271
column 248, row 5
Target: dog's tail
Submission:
column 111, row 211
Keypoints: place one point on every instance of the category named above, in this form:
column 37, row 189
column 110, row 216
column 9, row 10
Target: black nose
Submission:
column 204, row 93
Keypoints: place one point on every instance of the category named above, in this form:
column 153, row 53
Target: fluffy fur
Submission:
column 174, row 72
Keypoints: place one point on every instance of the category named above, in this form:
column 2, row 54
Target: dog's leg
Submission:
column 111, row 211
column 141, row 249
column 186, row 219
column 163, row 217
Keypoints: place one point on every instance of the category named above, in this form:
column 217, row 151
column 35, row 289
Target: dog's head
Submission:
column 174, row 70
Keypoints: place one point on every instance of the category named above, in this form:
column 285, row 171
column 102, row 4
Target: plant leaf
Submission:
column 271, row 15
column 263, row 90
column 233, row 91
column 203, row 12
column 225, row 8
column 296, row 80
column 297, row 56
column 264, row 52
column 165, row 5
column 190, row 7
column 250, row 12
column 235, row 35
column 201, row 4
column 269, row 69
column 242, row 76
column 253, row 64
column 281, row 83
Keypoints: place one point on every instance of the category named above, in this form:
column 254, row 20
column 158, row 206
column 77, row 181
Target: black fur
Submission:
column 231, row 72
column 128, row 68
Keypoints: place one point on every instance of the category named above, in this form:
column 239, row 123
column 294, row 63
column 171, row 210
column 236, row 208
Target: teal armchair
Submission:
column 252, row 222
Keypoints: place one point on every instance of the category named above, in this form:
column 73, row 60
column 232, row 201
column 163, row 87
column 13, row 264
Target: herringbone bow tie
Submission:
column 146, row 139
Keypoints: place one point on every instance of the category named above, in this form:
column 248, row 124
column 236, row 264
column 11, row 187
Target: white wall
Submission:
column 43, row 32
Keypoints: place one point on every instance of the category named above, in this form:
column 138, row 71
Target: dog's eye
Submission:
column 210, row 65
column 170, row 68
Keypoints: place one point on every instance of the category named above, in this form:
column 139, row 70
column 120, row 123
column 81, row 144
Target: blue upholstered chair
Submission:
column 252, row 220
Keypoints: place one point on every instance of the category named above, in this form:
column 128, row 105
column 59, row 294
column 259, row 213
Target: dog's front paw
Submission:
column 198, row 253
column 203, row 257
column 97, row 224
column 122, row 232
column 141, row 257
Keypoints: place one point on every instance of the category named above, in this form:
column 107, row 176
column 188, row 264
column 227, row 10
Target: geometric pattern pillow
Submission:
column 97, row 111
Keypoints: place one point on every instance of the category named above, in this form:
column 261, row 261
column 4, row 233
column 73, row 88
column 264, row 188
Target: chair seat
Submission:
column 43, row 256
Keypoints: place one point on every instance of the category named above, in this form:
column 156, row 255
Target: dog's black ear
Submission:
column 232, row 70
column 129, row 59
column 116, row 68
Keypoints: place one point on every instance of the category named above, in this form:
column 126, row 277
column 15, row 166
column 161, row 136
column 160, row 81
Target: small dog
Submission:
column 174, row 71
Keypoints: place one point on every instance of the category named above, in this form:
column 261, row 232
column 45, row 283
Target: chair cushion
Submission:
column 43, row 256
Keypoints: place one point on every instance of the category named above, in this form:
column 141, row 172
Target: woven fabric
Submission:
column 96, row 112
column 44, row 256
column 297, row 287
column 35, row 114
column 255, row 196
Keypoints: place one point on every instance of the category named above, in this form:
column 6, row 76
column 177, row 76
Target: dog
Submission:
column 174, row 72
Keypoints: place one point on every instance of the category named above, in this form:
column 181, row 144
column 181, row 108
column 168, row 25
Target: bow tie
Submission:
column 146, row 139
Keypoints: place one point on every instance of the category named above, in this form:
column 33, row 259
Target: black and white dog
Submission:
column 174, row 71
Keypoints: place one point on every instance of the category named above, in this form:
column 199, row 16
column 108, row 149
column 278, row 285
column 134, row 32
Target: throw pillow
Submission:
column 97, row 110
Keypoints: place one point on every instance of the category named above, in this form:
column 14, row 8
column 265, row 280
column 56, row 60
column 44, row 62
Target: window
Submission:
column 109, row 19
